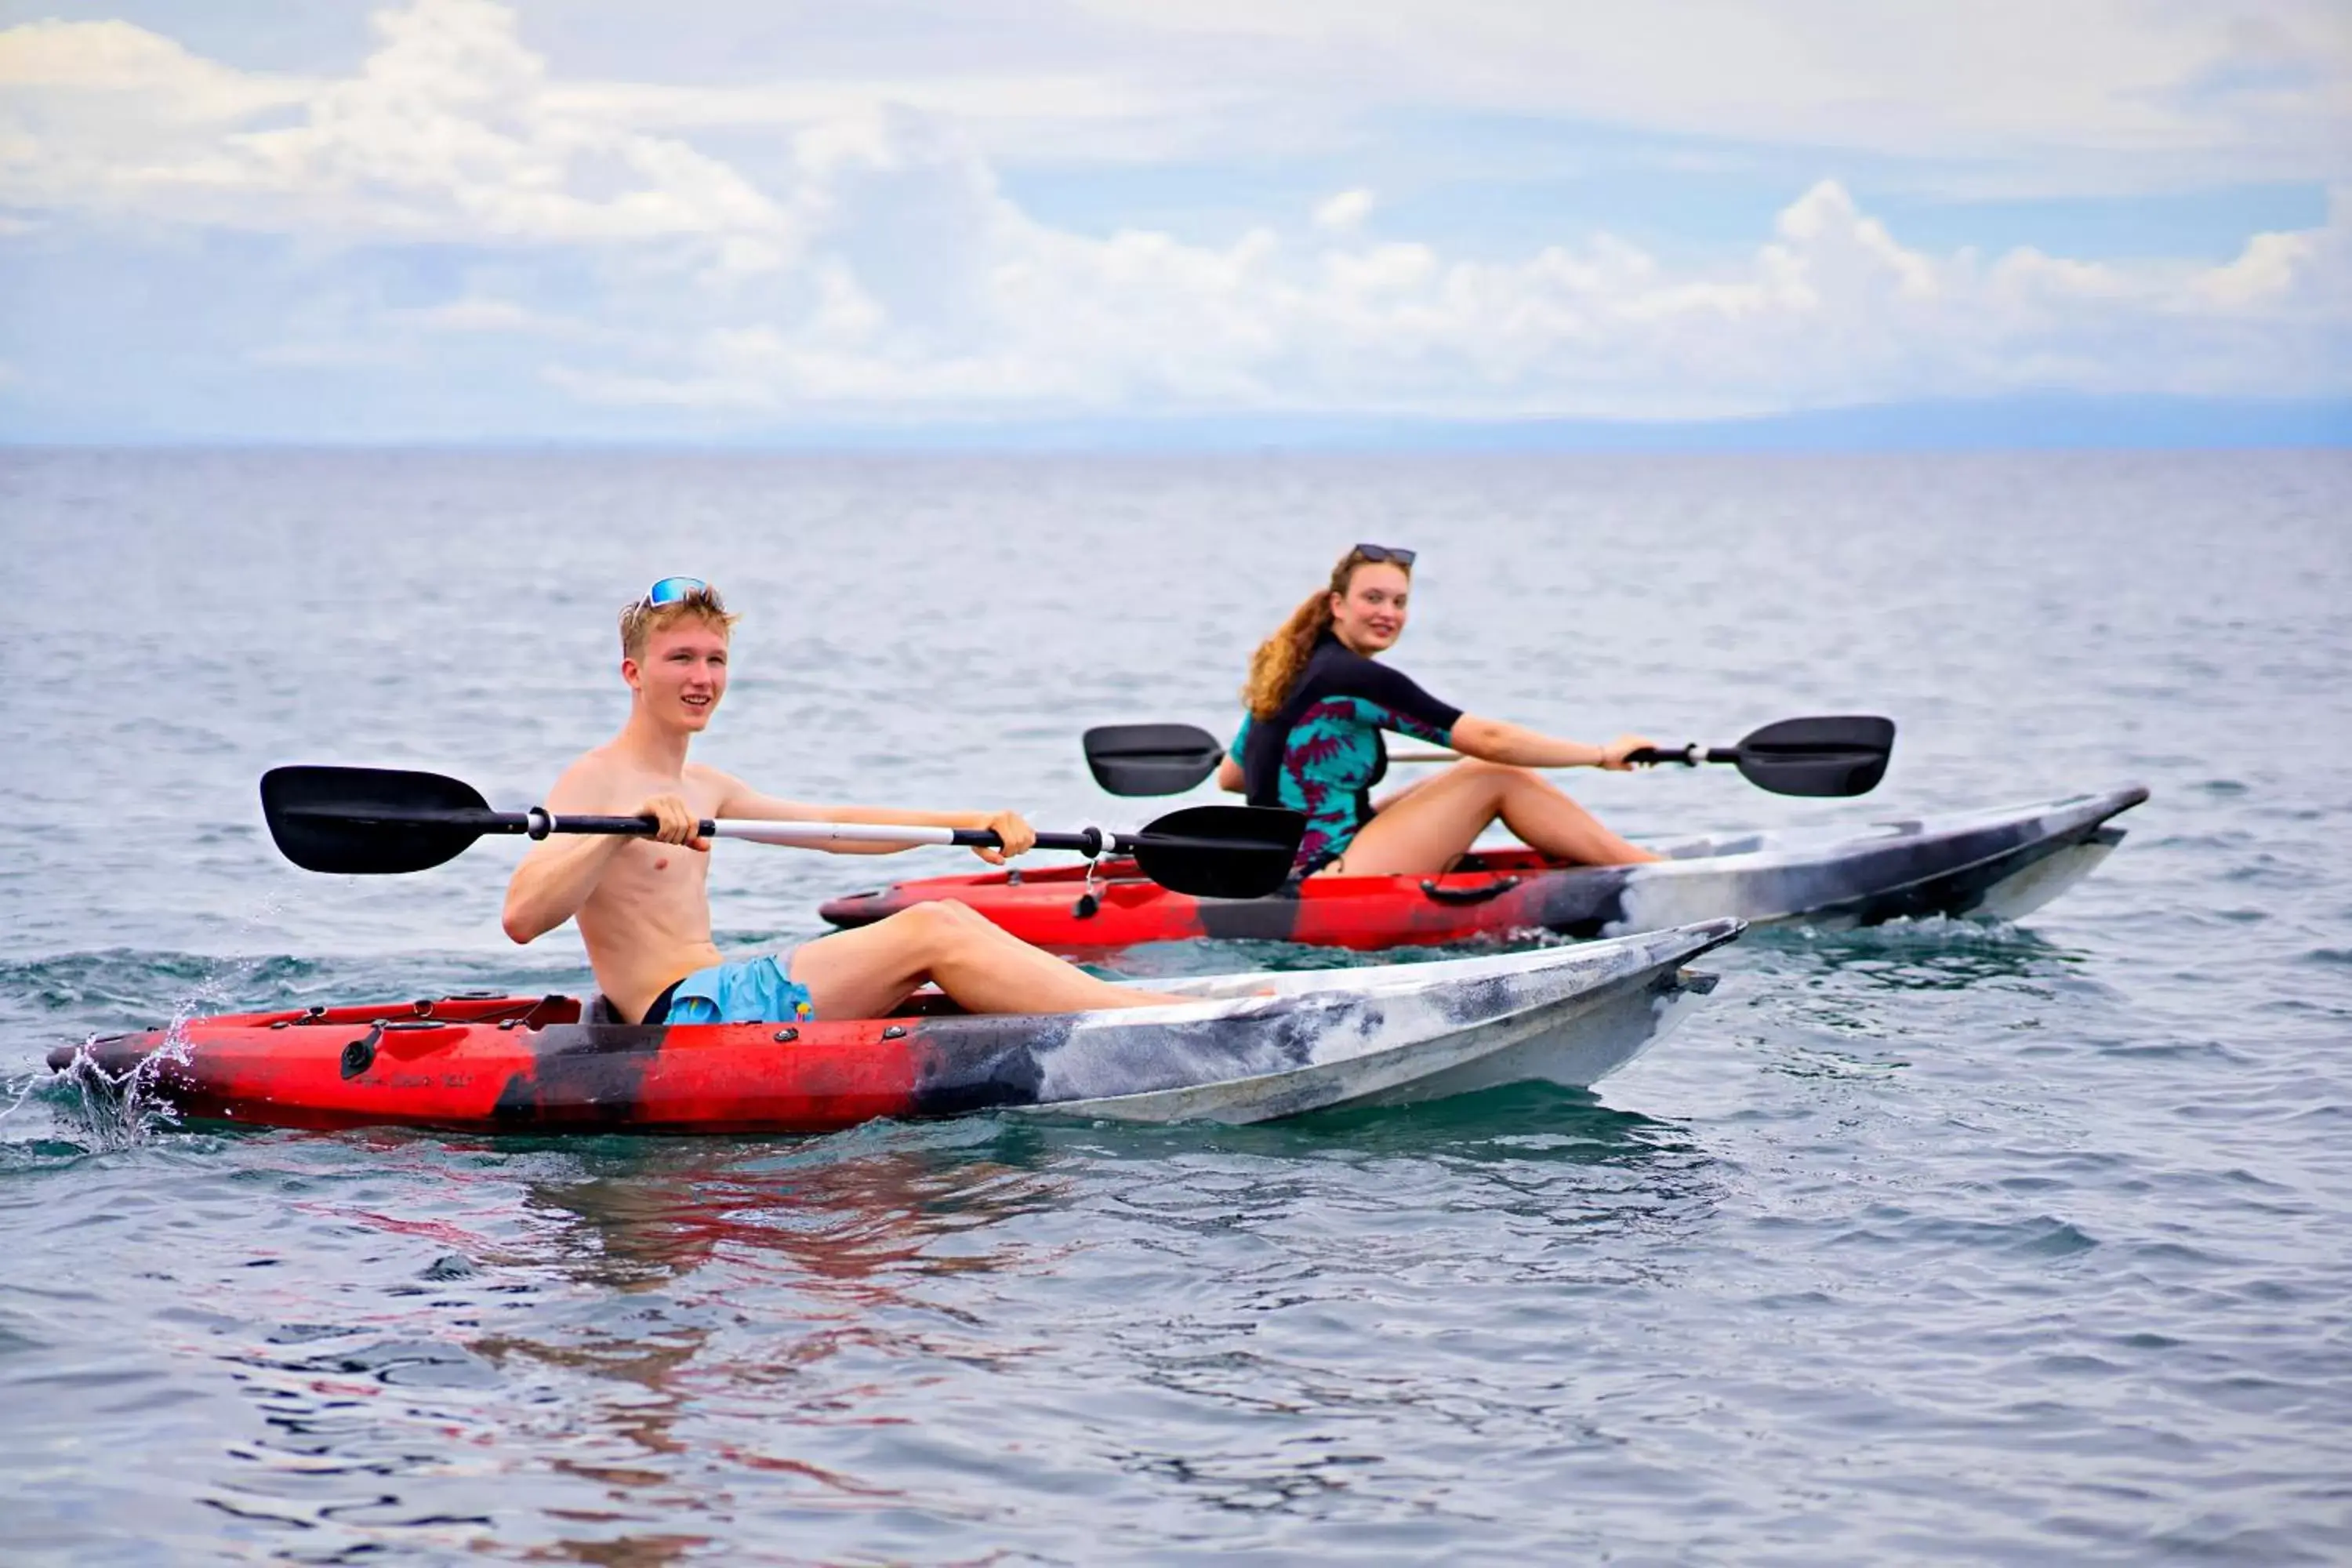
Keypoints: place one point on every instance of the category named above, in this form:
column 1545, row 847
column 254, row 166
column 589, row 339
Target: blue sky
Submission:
column 595, row 219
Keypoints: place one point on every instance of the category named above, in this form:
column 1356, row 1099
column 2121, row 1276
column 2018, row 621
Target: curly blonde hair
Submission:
column 1275, row 668
column 640, row 621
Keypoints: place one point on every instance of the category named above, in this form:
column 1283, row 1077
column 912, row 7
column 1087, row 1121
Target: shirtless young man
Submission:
column 642, row 903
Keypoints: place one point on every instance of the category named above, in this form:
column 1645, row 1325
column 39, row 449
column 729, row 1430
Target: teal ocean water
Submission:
column 1938, row 1243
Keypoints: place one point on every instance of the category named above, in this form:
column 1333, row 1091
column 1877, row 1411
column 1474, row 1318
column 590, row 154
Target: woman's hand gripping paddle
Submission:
column 376, row 821
column 1843, row 754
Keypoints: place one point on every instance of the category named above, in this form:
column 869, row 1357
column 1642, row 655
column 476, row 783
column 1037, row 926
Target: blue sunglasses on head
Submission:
column 670, row 590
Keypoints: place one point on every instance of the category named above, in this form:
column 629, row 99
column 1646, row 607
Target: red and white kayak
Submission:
column 1243, row 1047
column 1996, row 864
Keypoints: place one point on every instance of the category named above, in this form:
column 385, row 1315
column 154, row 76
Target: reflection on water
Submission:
column 647, row 1316
column 1517, row 1120
column 847, row 1223
column 1849, row 1004
column 655, row 1336
column 1907, row 955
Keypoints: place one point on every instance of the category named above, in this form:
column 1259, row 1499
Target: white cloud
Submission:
column 2019, row 96
column 445, row 133
column 1832, row 309
column 2114, row 92
column 116, row 57
column 1345, row 212
column 1112, row 115
column 875, row 266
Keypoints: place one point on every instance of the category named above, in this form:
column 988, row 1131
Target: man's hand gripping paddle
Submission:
column 376, row 821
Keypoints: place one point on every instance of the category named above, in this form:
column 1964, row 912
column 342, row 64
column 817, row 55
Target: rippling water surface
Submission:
column 1938, row 1243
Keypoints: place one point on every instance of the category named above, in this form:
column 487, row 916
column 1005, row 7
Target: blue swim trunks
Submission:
column 747, row 991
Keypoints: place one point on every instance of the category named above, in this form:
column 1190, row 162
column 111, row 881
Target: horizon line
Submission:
column 2034, row 422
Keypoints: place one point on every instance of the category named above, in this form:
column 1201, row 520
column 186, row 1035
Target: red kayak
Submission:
column 1996, row 864
column 1232, row 1048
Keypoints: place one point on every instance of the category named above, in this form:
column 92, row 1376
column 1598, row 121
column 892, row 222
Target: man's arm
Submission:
column 558, row 874
column 738, row 799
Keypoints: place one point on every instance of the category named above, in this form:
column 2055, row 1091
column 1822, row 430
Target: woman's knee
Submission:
column 1497, row 776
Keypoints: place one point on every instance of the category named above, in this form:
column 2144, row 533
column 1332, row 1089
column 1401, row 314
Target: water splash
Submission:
column 125, row 1109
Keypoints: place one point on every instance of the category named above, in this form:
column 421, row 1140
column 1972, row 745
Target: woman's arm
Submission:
column 1231, row 778
column 1494, row 740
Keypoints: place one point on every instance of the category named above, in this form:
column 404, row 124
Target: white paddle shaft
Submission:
column 1089, row 841
column 788, row 832
column 1690, row 755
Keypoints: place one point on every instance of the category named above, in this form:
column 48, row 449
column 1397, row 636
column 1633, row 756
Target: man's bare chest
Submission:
column 648, row 873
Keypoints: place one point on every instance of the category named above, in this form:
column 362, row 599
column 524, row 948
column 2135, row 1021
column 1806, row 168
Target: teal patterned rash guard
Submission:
column 1321, row 753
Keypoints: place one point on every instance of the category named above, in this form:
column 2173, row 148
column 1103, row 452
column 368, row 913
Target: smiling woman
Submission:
column 1311, row 742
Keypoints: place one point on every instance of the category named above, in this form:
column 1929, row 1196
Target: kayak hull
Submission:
column 1998, row 864
column 1240, row 1048
column 1571, row 1029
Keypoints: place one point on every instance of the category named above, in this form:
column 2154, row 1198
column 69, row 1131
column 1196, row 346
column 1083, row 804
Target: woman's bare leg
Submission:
column 1435, row 823
column 1390, row 798
column 865, row 973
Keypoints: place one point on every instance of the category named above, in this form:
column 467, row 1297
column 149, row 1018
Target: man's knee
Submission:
column 940, row 922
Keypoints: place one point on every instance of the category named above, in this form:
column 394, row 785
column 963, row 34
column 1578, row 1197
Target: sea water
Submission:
column 1940, row 1243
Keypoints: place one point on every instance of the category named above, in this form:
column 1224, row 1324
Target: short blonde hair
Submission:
column 640, row 620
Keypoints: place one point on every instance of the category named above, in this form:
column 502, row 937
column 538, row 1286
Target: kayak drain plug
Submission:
column 359, row 1054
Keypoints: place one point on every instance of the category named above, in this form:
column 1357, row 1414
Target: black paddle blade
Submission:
column 370, row 821
column 1221, row 851
column 1150, row 759
column 1837, row 755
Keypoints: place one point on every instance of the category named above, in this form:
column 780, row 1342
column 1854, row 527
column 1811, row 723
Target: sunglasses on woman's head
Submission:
column 1384, row 552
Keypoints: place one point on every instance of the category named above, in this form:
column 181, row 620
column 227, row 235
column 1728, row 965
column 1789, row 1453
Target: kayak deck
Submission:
column 2001, row 863
column 1241, row 1047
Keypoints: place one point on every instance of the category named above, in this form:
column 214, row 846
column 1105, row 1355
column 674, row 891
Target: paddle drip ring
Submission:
column 1088, row 901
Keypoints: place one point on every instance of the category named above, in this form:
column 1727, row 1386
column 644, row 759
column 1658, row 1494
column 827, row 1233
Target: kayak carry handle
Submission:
column 1439, row 893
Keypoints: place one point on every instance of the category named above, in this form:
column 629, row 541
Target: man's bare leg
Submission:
column 865, row 973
